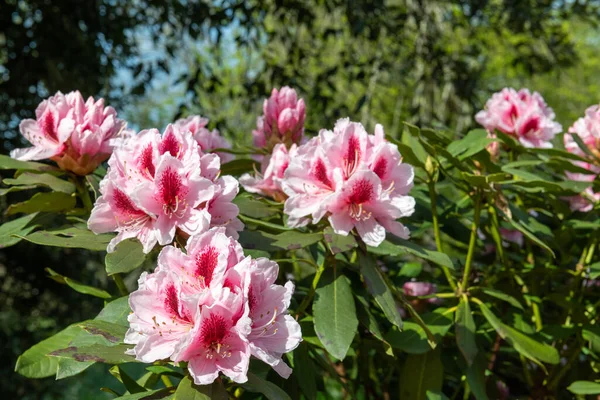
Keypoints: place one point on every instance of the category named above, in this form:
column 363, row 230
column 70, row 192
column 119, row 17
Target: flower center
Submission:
column 380, row 167
column 48, row 127
column 352, row 157
column 172, row 193
column 171, row 303
column 169, row 144
column 320, row 173
column 362, row 192
column 214, row 332
column 145, row 161
column 206, row 262
column 128, row 213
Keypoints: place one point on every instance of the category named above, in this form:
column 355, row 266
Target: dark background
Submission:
column 433, row 63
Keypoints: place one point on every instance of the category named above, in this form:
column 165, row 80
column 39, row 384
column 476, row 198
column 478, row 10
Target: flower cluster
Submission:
column 269, row 181
column 157, row 185
column 75, row 134
column 588, row 129
column 523, row 115
column 212, row 308
column 282, row 121
column 207, row 140
column 355, row 179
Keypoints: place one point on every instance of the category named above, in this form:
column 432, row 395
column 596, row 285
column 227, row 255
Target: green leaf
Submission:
column 499, row 295
column 465, row 330
column 410, row 269
column 97, row 353
column 436, row 395
column 35, row 362
column 475, row 141
column 5, row 191
column 46, row 180
column 127, row 256
column 10, row 163
column 304, row 371
column 254, row 207
column 78, row 286
column 413, row 339
column 270, row 390
column 149, row 395
column 130, row 384
column 378, row 287
column 584, row 387
column 163, row 370
column 292, row 240
column 71, row 237
column 485, row 181
column 476, row 376
column 50, row 202
column 592, row 335
column 421, row 373
column 530, row 348
column 239, row 166
column 582, row 145
column 187, row 390
column 396, row 246
column 116, row 312
column 67, row 368
column 525, row 231
column 335, row 314
column 408, row 154
column 338, row 243
column 18, row 227
column 112, row 332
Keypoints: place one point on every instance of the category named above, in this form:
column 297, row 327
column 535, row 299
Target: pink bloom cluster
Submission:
column 207, row 140
column 212, row 308
column 269, row 181
column 282, row 121
column 73, row 132
column 522, row 115
column 355, row 179
column 588, row 129
column 158, row 185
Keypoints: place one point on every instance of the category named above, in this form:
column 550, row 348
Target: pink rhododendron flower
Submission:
column 512, row 236
column 282, row 121
column 207, row 140
column 419, row 288
column 355, row 179
column 269, row 181
column 212, row 308
column 160, row 185
column 588, row 129
column 274, row 332
column 521, row 114
column 160, row 316
column 75, row 134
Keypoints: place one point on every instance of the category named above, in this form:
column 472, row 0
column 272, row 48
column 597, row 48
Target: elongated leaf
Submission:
column 530, row 348
column 396, row 246
column 421, row 373
column 36, row 363
column 188, row 391
column 304, row 371
column 17, row 226
column 294, row 240
column 338, row 243
column 67, row 367
column 476, row 377
column 502, row 296
column 413, row 338
column 50, row 202
column 379, row 289
column 116, row 312
column 525, row 231
column 127, row 256
column 72, row 238
column 97, row 353
column 46, row 180
column 10, row 163
column 239, row 166
column 5, row 191
column 112, row 332
column 270, row 390
column 255, row 208
column 130, row 384
column 584, row 387
column 78, row 286
column 436, row 395
column 465, row 331
column 149, row 395
column 475, row 141
column 335, row 314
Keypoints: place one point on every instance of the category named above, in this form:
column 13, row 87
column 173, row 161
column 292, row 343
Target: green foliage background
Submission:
column 432, row 63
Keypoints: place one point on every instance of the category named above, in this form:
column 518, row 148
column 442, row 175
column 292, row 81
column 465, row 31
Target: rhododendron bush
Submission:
column 339, row 263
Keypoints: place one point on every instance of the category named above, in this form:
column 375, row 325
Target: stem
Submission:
column 563, row 370
column 120, row 284
column 472, row 241
column 311, row 294
column 84, row 193
column 166, row 381
column 437, row 233
column 528, row 377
